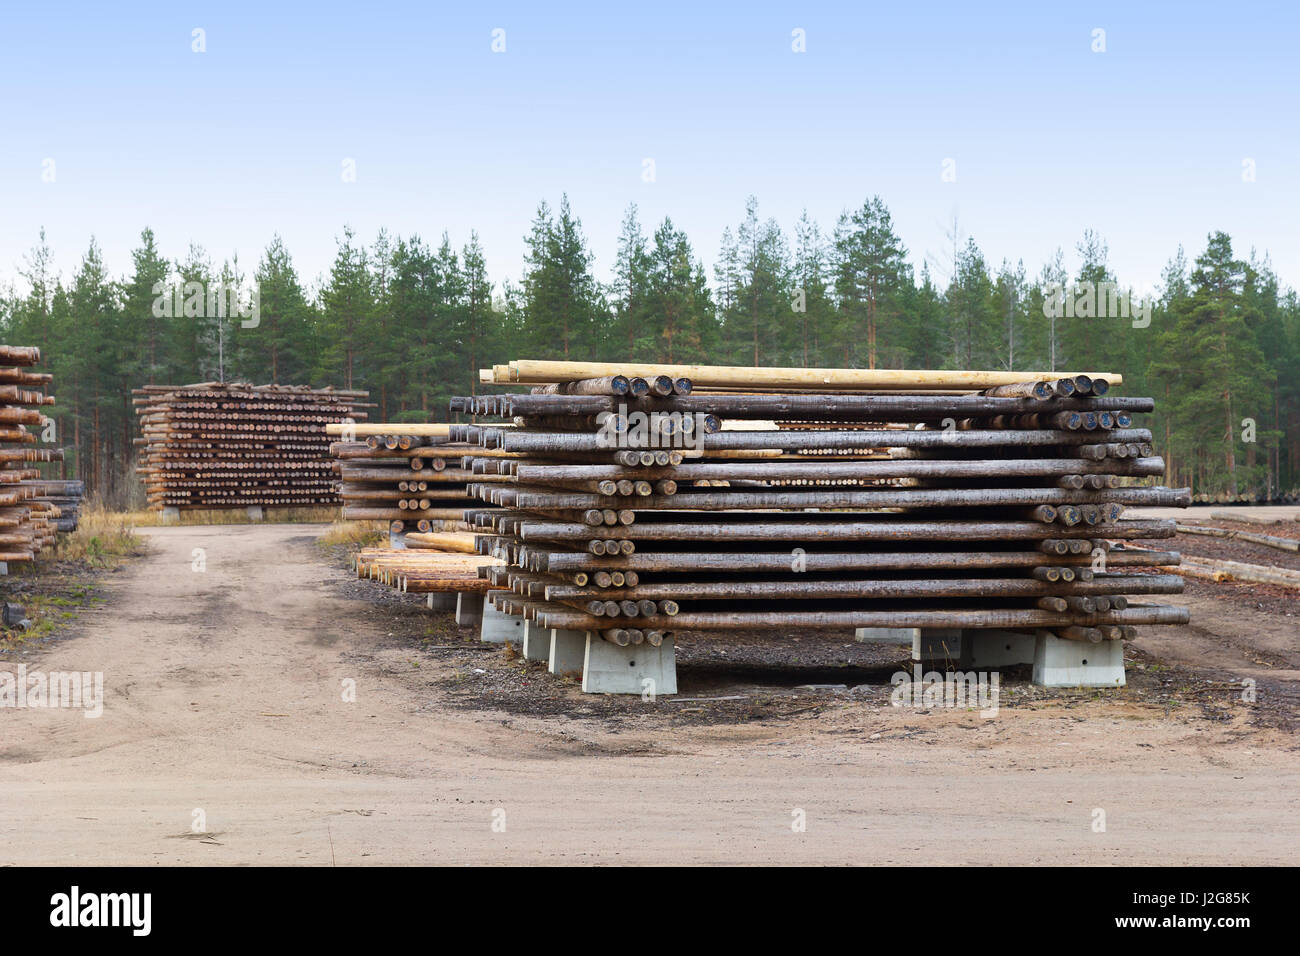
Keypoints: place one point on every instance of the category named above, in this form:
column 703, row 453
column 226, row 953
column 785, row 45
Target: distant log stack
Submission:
column 216, row 445
column 410, row 476
column 28, row 518
column 634, row 500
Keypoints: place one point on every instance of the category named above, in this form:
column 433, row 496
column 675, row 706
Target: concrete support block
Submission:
column 255, row 513
column 635, row 669
column 887, row 635
column 171, row 515
column 4, row 568
column 499, row 627
column 1059, row 663
column 567, row 652
column 537, row 642
column 469, row 608
column 397, row 540
column 937, row 644
column 987, row 649
column 441, row 600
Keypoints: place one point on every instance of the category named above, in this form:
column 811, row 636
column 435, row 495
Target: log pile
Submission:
column 634, row 501
column 215, row 445
column 28, row 519
column 424, row 570
column 410, row 476
column 64, row 496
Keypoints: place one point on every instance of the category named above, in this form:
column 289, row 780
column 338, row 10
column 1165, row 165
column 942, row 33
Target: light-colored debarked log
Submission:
column 528, row 372
column 1244, row 517
column 1267, row 540
column 367, row 429
column 441, row 541
column 1214, row 570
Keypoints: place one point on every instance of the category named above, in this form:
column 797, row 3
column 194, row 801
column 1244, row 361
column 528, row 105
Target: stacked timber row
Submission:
column 409, row 475
column 28, row 519
column 217, row 445
column 724, row 499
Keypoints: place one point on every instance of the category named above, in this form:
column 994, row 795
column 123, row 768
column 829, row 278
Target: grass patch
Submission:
column 103, row 539
column 61, row 582
column 49, row 611
column 354, row 534
column 235, row 515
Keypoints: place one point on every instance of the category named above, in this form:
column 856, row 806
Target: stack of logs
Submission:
column 634, row 501
column 410, row 477
column 432, row 563
column 28, row 516
column 216, row 445
column 407, row 475
column 62, row 495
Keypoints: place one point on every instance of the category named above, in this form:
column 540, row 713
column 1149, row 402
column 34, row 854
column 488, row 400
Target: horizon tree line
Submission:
column 412, row 322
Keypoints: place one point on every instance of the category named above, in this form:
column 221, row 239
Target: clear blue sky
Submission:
column 1144, row 142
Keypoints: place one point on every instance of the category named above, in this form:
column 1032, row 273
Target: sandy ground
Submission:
column 224, row 694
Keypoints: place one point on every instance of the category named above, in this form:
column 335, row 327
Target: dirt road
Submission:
column 224, row 696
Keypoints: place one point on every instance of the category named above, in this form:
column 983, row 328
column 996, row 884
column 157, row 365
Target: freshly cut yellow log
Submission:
column 423, row 571
column 530, row 372
column 441, row 541
column 366, row 429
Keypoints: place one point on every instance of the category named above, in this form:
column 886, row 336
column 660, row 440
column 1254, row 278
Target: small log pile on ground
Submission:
column 632, row 501
column 28, row 517
column 215, row 445
column 441, row 563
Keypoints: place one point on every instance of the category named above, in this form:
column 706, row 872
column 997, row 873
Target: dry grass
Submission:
column 103, row 539
column 357, row 534
column 153, row 519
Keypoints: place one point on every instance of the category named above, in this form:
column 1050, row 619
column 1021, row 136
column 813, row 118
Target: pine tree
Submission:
column 757, row 327
column 481, row 325
column 679, row 321
column 871, row 276
column 630, row 291
column 816, row 311
column 91, row 367
column 347, row 302
column 1222, row 374
column 564, row 311
column 971, row 301
column 282, row 347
